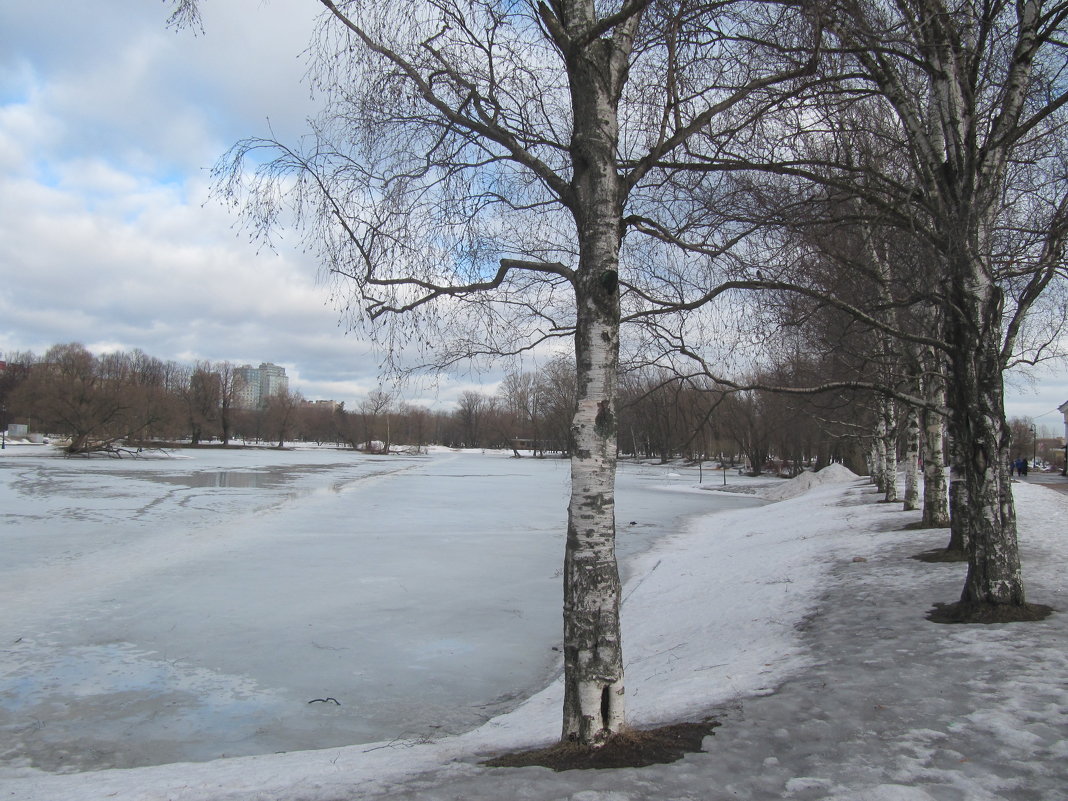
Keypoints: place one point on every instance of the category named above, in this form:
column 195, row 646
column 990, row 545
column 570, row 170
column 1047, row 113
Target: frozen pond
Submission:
column 184, row 609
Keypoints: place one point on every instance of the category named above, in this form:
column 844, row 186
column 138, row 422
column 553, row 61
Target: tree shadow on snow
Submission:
column 938, row 555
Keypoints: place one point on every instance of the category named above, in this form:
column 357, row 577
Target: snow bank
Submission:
column 802, row 483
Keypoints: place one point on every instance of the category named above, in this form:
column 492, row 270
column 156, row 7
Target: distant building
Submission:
column 254, row 385
column 273, row 380
column 331, row 405
column 246, row 387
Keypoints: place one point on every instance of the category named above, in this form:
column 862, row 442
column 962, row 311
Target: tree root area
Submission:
column 942, row 555
column 962, row 612
column 632, row 748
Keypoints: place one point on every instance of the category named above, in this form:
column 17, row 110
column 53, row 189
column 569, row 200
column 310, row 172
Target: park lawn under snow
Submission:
column 800, row 625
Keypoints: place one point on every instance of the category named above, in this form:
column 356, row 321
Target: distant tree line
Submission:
column 132, row 399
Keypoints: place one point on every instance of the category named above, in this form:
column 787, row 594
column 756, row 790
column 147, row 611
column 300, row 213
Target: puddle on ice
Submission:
column 157, row 615
column 235, row 479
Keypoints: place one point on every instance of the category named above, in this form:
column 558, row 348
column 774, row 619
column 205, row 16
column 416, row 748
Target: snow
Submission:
column 828, row 680
column 803, row 482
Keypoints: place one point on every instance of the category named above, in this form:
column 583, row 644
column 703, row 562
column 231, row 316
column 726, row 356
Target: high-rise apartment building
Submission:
column 273, row 380
column 254, row 385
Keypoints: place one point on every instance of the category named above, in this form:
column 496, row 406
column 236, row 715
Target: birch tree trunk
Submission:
column 878, row 453
column 593, row 656
column 959, row 514
column 982, row 121
column 912, row 459
column 935, row 493
column 888, row 449
column 976, row 400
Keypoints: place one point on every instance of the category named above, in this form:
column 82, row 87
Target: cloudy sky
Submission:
column 109, row 122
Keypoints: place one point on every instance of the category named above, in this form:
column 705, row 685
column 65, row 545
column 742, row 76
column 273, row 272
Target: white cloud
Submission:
column 108, row 124
column 107, row 236
column 1037, row 393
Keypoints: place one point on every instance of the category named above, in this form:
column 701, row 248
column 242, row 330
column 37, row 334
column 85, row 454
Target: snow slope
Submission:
column 829, row 681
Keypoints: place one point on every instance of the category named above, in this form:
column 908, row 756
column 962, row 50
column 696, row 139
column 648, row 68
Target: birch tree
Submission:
column 479, row 171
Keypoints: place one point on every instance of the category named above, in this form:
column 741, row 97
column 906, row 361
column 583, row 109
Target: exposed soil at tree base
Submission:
column 633, row 748
column 962, row 612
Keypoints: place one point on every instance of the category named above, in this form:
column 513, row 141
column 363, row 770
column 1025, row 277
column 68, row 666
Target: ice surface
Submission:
column 164, row 610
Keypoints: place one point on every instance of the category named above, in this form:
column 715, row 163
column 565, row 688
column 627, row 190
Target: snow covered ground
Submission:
column 799, row 624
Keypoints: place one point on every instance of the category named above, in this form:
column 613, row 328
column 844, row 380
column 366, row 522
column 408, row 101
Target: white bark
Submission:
column 972, row 68
column 889, row 449
column 982, row 436
column 594, row 700
column 594, row 706
column 912, row 459
column 878, row 447
column 593, row 657
column 935, row 489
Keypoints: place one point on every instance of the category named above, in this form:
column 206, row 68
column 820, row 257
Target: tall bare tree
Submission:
column 201, row 396
column 533, row 137
column 280, row 415
column 374, row 413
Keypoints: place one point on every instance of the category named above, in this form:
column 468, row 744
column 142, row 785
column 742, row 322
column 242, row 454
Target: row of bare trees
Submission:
column 133, row 398
column 129, row 397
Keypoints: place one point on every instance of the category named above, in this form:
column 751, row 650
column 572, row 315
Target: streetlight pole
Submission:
column 1034, row 446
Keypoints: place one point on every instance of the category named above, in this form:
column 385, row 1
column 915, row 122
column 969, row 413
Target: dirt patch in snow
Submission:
column 633, row 748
